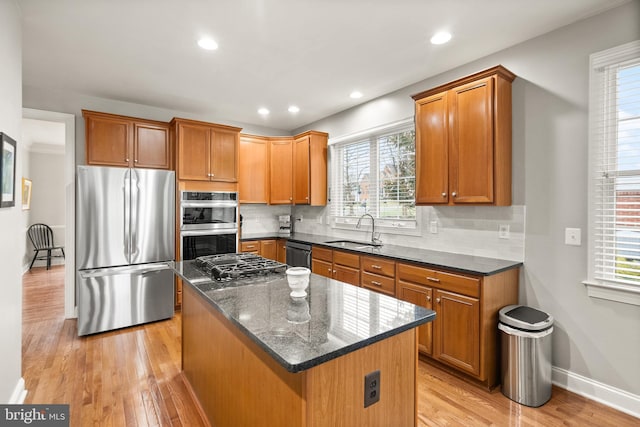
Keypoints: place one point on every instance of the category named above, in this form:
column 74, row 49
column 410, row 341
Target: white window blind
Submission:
column 615, row 166
column 375, row 174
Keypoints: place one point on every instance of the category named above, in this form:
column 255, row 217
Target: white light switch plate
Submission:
column 503, row 231
column 433, row 227
column 572, row 236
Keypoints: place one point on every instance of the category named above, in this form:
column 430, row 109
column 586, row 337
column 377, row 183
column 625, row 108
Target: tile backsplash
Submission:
column 469, row 230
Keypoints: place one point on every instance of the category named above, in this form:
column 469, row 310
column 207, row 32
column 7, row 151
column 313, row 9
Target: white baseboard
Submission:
column 19, row 393
column 607, row 395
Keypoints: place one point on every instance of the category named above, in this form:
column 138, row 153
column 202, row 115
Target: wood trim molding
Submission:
column 497, row 70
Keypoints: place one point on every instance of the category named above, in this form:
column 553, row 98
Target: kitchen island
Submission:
column 254, row 356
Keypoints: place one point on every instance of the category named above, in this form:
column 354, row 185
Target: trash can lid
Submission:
column 525, row 318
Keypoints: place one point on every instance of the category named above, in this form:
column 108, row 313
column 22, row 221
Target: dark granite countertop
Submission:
column 334, row 319
column 429, row 258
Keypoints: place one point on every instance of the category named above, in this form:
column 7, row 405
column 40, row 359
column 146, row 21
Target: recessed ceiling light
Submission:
column 356, row 94
column 441, row 37
column 293, row 109
column 263, row 111
column 207, row 43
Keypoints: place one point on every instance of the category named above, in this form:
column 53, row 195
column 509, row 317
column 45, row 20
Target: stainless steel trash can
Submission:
column 525, row 336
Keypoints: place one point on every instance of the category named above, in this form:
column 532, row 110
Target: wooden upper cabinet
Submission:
column 253, row 171
column 281, row 171
column 151, row 146
column 206, row 151
column 113, row 140
column 310, row 168
column 432, row 153
column 301, row 170
column 463, row 140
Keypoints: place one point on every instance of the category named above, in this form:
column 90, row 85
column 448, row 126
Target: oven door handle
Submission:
column 209, row 204
column 209, row 232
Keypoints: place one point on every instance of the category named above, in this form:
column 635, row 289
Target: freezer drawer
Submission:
column 113, row 298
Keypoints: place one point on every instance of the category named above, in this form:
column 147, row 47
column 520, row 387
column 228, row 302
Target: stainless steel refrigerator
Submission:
column 125, row 246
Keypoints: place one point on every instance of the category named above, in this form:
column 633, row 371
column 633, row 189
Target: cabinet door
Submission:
column 432, row 157
column 346, row 274
column 151, row 147
column 419, row 295
column 250, row 246
column 268, row 249
column 108, row 141
column 456, row 331
column 301, row 171
column 281, row 175
column 253, row 174
column 282, row 251
column 223, row 161
column 322, row 268
column 193, row 152
column 471, row 138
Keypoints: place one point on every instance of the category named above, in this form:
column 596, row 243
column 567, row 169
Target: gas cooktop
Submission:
column 233, row 266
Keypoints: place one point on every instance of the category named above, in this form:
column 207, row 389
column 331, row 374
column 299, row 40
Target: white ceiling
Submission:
column 272, row 53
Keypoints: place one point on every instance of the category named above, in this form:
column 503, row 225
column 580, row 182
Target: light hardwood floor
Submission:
column 132, row 377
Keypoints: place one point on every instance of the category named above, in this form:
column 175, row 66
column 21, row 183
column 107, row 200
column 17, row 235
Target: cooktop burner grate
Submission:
column 233, row 266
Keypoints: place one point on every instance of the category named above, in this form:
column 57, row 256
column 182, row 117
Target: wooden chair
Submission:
column 41, row 237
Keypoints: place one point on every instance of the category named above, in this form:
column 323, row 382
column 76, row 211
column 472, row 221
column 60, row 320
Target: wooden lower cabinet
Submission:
column 334, row 264
column 281, row 251
column 464, row 334
column 378, row 274
column 266, row 248
column 456, row 337
column 422, row 296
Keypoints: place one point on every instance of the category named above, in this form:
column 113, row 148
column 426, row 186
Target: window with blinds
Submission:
column 376, row 174
column 615, row 166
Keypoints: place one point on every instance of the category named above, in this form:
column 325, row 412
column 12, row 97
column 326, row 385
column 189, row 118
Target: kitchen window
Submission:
column 374, row 173
column 614, row 187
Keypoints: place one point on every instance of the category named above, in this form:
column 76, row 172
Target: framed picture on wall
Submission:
column 7, row 171
column 26, row 194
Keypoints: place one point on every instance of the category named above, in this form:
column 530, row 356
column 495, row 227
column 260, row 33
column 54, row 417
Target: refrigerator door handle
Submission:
column 126, row 188
column 142, row 269
column 134, row 201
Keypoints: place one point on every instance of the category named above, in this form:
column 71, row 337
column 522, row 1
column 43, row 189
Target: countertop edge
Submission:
column 316, row 237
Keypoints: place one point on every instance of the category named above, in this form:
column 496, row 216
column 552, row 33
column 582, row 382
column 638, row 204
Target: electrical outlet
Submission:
column 503, row 231
column 371, row 388
column 433, row 227
column 572, row 236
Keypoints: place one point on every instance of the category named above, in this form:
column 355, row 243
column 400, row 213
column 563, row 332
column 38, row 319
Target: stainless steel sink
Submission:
column 352, row 244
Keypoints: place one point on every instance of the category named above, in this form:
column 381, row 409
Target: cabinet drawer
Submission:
column 250, row 246
column 375, row 282
column 379, row 266
column 346, row 258
column 446, row 281
column 322, row 253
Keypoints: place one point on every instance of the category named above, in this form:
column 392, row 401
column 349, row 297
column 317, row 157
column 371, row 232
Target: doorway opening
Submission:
column 49, row 163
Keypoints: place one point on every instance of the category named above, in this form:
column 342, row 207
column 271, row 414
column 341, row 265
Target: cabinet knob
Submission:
column 126, row 160
column 454, row 194
column 438, row 300
column 135, row 160
column 428, row 297
column 306, row 198
column 290, row 198
column 444, row 194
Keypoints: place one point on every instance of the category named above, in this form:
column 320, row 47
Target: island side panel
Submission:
column 335, row 389
column 236, row 382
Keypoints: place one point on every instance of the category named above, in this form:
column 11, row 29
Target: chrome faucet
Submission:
column 375, row 241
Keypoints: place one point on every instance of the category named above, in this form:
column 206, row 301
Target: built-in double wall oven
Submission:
column 208, row 223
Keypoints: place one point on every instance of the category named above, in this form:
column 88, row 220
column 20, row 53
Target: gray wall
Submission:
column 46, row 171
column 594, row 338
column 11, row 219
